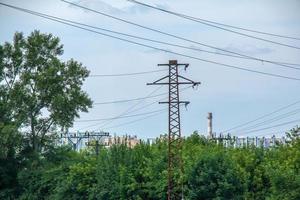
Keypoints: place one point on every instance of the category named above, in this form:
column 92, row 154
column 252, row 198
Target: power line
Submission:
column 261, row 117
column 287, row 65
column 214, row 24
column 134, row 121
column 283, row 64
column 296, row 64
column 130, row 122
column 129, row 100
column 147, row 105
column 93, row 125
column 129, row 109
column 125, row 116
column 222, row 24
column 172, row 52
column 249, row 30
column 277, row 125
column 132, row 111
column 285, row 115
column 162, row 32
column 127, row 74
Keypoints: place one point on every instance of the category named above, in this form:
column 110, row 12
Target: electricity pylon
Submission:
column 175, row 165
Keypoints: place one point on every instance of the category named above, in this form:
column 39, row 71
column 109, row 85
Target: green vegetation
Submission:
column 34, row 82
column 120, row 172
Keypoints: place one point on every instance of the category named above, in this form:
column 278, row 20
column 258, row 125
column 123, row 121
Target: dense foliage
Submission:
column 34, row 81
column 120, row 172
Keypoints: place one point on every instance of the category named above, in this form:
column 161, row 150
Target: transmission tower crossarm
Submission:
column 191, row 82
column 174, row 62
column 180, row 83
column 181, row 102
column 157, row 81
column 178, row 64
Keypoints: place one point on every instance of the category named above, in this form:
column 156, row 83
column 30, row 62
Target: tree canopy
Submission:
column 41, row 91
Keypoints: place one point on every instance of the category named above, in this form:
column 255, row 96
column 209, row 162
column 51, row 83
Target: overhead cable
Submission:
column 162, row 32
column 274, row 126
column 261, row 117
column 130, row 109
column 277, row 118
column 125, row 116
column 217, row 25
column 283, row 64
column 134, row 121
column 175, row 53
column 129, row 100
column 127, row 74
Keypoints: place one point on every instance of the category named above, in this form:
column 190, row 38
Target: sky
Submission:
column 233, row 96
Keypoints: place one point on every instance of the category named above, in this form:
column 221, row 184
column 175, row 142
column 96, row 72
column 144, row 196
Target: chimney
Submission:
column 209, row 127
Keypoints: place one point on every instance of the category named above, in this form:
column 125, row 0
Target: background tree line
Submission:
column 211, row 172
column 40, row 94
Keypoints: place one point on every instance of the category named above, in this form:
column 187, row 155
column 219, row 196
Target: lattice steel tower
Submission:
column 175, row 166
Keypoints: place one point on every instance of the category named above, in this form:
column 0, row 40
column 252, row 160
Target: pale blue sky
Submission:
column 233, row 96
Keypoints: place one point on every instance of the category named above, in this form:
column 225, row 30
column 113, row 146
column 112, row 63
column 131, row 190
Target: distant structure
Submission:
column 238, row 141
column 82, row 140
column 151, row 141
column 209, row 126
column 241, row 142
column 128, row 140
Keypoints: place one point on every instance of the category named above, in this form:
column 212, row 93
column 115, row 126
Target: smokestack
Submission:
column 209, row 127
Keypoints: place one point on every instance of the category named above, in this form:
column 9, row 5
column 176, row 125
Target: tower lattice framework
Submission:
column 175, row 165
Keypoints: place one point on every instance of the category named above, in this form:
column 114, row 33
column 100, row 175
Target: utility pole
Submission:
column 175, row 165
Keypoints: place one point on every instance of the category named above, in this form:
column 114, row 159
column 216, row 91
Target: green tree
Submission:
column 10, row 144
column 215, row 177
column 43, row 92
column 251, row 162
column 283, row 168
column 49, row 178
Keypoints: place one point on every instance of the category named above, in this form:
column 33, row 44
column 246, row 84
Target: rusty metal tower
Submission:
column 175, row 166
